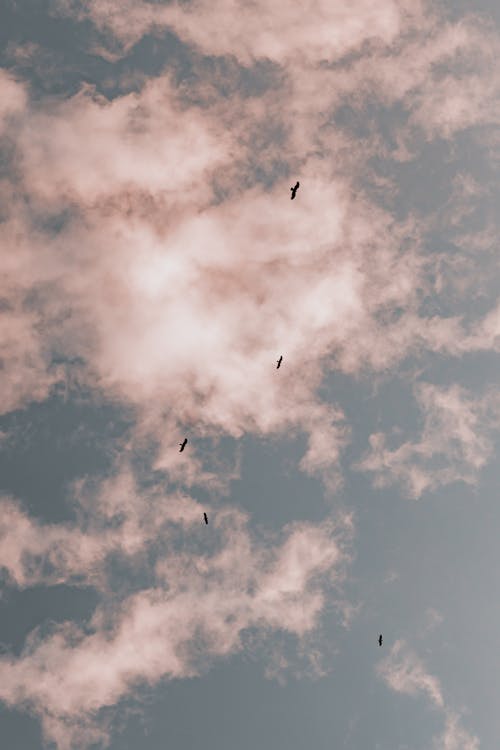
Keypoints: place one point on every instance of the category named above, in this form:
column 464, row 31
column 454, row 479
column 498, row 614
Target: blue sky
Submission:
column 153, row 270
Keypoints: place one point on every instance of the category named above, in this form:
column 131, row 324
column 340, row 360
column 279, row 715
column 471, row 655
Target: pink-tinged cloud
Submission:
column 455, row 737
column 153, row 278
column 410, row 49
column 178, row 278
column 319, row 31
column 146, row 143
column 411, row 52
column 198, row 609
column 13, row 98
column 404, row 672
column 456, row 442
column 114, row 517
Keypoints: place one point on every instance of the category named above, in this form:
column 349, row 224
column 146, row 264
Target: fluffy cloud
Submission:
column 185, row 306
column 171, row 295
column 146, row 142
column 191, row 301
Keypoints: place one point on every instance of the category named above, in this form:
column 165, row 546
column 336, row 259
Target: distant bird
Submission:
column 183, row 445
column 280, row 360
column 294, row 189
column 380, row 640
column 206, row 518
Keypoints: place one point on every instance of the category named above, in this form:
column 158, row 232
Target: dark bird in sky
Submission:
column 294, row 189
column 380, row 640
column 206, row 518
column 280, row 360
column 183, row 445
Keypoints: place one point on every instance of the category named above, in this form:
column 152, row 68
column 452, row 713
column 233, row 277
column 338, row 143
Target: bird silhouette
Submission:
column 206, row 518
column 280, row 360
column 183, row 445
column 380, row 640
column 294, row 189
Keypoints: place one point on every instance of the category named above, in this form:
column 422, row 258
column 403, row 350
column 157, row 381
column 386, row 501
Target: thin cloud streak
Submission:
column 404, row 672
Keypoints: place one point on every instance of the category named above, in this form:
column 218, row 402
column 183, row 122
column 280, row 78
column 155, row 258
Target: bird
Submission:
column 380, row 640
column 183, row 445
column 206, row 518
column 294, row 190
column 280, row 360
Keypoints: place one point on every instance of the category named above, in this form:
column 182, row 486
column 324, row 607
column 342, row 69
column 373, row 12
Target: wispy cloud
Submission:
column 455, row 443
column 404, row 672
column 199, row 604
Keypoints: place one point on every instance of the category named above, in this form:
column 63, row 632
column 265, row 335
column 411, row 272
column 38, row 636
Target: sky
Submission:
column 153, row 269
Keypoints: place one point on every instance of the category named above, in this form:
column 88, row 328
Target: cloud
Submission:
column 455, row 442
column 277, row 32
column 200, row 604
column 191, row 279
column 13, row 98
column 443, row 72
column 191, row 302
column 404, row 672
column 187, row 306
column 164, row 149
column 151, row 238
column 113, row 517
column 455, row 737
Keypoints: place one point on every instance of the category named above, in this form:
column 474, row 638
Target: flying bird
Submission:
column 206, row 518
column 183, row 445
column 380, row 640
column 294, row 189
column 280, row 360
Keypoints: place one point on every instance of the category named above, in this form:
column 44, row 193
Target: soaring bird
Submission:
column 380, row 640
column 280, row 360
column 183, row 445
column 294, row 189
column 206, row 518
